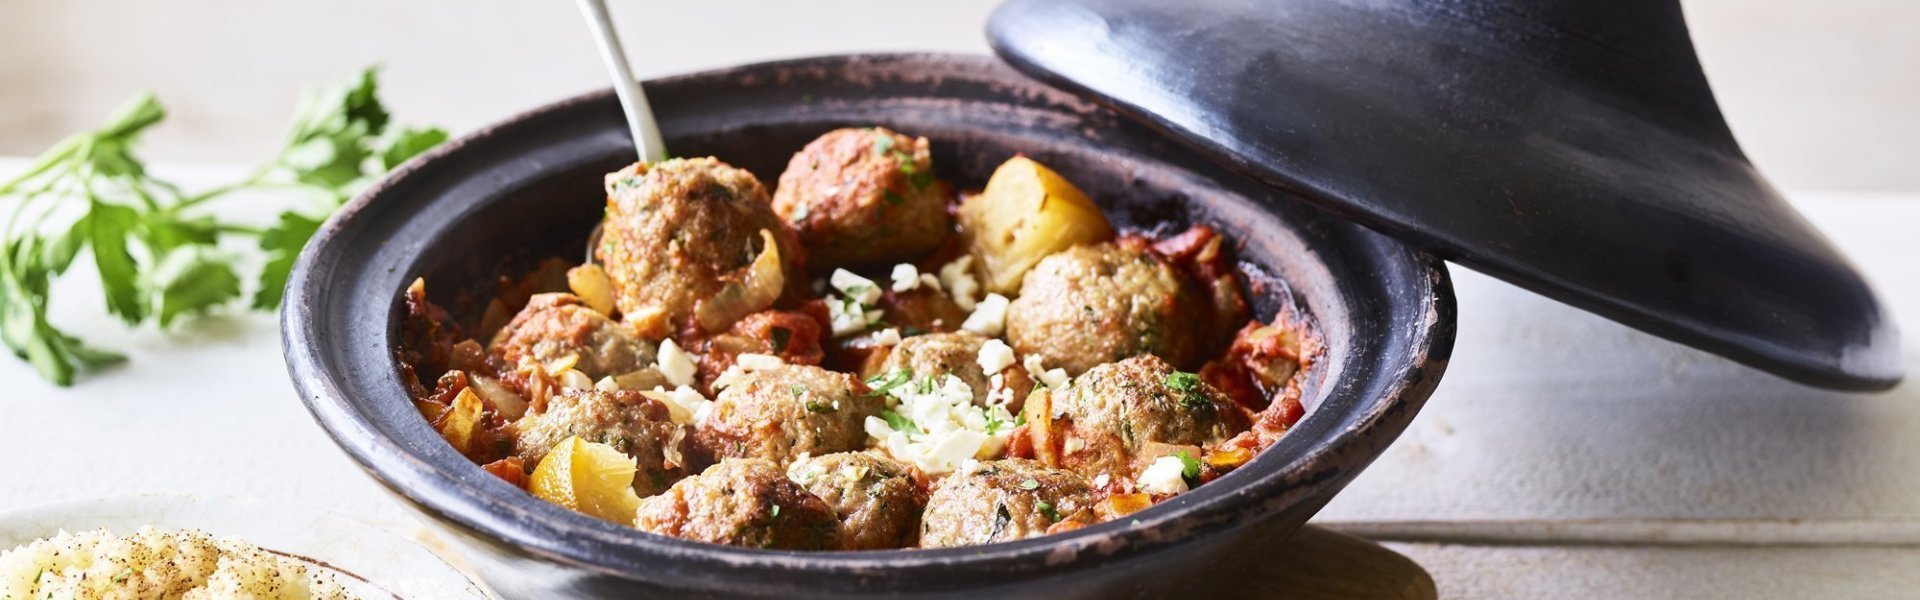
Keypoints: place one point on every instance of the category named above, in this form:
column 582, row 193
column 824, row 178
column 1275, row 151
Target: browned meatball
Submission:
column 1115, row 415
column 677, row 231
column 877, row 498
column 956, row 354
column 780, row 413
column 863, row 196
column 1089, row 305
column 1003, row 501
column 742, row 502
column 553, row 326
column 631, row 423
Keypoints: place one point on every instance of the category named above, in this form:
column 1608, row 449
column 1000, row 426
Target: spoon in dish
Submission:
column 646, row 132
column 633, row 100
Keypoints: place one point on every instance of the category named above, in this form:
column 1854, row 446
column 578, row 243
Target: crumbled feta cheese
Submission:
column 676, row 364
column 995, row 356
column 887, row 337
column 756, row 362
column 684, row 405
column 957, row 276
column 877, row 428
column 1163, row 477
column 852, row 311
column 948, row 428
column 1054, row 379
column 905, row 277
column 1101, row 480
column 989, row 317
column 573, row 379
column 855, row 287
column 848, row 317
column 998, row 392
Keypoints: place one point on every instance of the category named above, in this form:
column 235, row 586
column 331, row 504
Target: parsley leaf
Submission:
column 282, row 242
column 1046, row 508
column 1189, row 466
column 899, row 422
column 155, row 248
column 1188, row 384
column 882, row 384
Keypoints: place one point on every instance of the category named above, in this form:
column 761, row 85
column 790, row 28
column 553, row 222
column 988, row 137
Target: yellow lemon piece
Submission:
column 1026, row 213
column 589, row 478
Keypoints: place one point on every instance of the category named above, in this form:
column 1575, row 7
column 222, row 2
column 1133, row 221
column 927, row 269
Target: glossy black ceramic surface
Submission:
column 530, row 187
column 1569, row 146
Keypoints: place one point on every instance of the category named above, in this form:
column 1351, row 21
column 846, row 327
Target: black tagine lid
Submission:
column 1571, row 147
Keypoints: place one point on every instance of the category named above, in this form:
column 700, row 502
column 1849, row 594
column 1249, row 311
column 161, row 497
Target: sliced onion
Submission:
column 510, row 405
column 759, row 285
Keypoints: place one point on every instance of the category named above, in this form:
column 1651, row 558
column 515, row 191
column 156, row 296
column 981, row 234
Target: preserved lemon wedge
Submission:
column 1026, row 213
column 588, row 478
column 462, row 419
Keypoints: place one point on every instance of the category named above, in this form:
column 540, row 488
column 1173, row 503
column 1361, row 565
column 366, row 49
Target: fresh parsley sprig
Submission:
column 157, row 248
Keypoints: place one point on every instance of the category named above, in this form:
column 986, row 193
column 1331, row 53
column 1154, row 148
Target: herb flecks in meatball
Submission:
column 1100, row 303
column 634, row 424
column 1117, row 417
column 958, row 354
column 878, row 499
column 742, row 502
column 864, row 196
column 554, row 327
column 782, row 412
column 1003, row 501
column 679, row 231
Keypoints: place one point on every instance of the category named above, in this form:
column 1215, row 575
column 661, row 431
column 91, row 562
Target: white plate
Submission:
column 371, row 562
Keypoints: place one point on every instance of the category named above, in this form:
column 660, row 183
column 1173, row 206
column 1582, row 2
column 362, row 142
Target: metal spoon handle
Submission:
column 646, row 133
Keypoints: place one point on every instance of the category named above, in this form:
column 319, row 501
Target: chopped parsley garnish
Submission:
column 776, row 511
column 921, row 179
column 882, row 384
column 1030, row 485
column 1188, row 384
column 892, row 197
column 899, row 422
column 780, row 336
column 1189, row 466
column 1052, row 514
column 816, row 407
column 882, row 144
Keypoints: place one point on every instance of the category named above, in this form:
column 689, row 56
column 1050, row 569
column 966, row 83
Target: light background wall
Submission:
column 1824, row 94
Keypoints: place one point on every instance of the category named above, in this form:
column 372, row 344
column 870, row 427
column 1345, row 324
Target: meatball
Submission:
column 780, row 413
column 863, row 196
column 877, row 498
column 742, row 502
column 1118, row 416
column 553, row 326
column 1003, row 501
column 678, row 231
column 957, row 354
column 628, row 421
column 1093, row 304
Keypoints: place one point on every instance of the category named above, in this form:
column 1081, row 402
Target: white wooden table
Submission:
column 1564, row 456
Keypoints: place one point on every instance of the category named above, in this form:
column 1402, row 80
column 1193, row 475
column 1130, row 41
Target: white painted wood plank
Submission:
column 1549, row 414
column 1695, row 573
